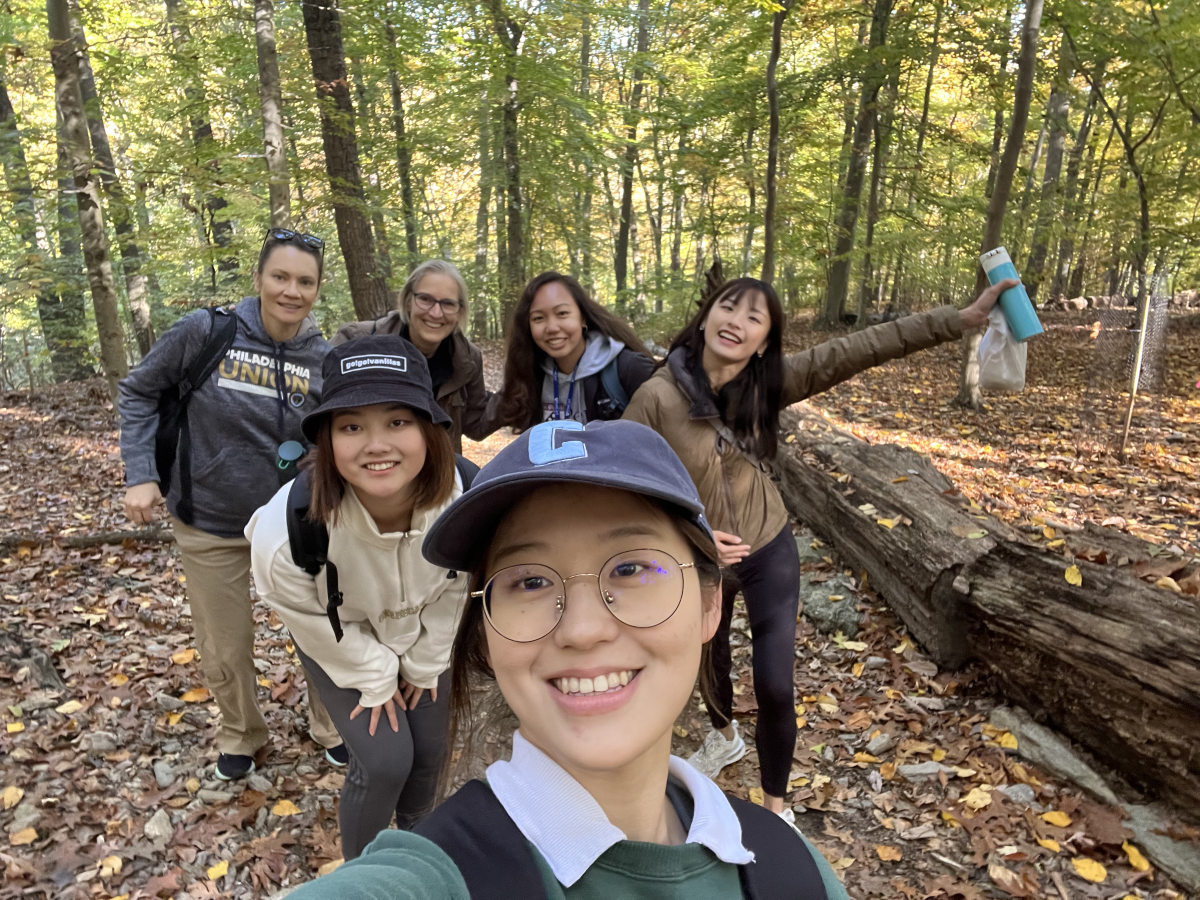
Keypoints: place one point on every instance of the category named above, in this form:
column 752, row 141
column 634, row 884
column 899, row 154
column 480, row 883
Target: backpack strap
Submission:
column 611, row 379
column 309, row 543
column 222, row 331
column 477, row 833
column 782, row 867
column 467, row 470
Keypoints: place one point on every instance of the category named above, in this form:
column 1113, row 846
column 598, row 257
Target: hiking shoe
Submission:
column 788, row 816
column 716, row 753
column 233, row 765
column 338, row 756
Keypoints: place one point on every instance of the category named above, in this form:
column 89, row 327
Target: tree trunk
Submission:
column 968, row 383
column 136, row 285
column 748, row 164
column 87, row 196
column 864, row 126
column 1075, row 287
column 632, row 116
column 1027, row 195
column 217, row 223
column 479, row 326
column 768, row 266
column 62, row 324
column 883, row 129
column 368, row 288
column 998, row 120
column 1114, row 662
column 1057, row 114
column 403, row 155
column 271, row 102
column 509, row 32
column 1066, row 245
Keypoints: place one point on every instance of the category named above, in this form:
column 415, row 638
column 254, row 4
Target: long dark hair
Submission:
column 521, row 396
column 435, row 481
column 471, row 673
column 749, row 403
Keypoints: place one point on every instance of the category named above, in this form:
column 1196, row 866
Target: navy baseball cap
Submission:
column 620, row 454
column 378, row 368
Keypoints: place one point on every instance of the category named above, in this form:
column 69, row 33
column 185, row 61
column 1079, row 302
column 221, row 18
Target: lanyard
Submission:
column 570, row 397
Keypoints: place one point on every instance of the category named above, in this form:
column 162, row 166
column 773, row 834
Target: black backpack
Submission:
column 476, row 832
column 309, row 541
column 173, row 435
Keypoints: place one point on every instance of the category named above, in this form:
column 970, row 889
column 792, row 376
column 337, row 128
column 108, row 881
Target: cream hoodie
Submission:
column 399, row 612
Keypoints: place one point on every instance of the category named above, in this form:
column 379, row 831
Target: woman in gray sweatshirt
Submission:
column 266, row 382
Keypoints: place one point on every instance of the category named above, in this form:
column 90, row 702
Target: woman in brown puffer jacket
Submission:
column 717, row 401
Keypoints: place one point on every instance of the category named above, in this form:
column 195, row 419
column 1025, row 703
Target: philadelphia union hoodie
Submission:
column 238, row 418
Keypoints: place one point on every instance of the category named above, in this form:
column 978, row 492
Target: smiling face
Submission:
column 287, row 287
column 737, row 327
column 557, row 325
column 648, row 673
column 379, row 450
column 427, row 328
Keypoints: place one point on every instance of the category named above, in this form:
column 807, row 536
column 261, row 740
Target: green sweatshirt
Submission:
column 400, row 865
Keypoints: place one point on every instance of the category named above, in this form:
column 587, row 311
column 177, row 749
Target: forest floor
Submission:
column 107, row 776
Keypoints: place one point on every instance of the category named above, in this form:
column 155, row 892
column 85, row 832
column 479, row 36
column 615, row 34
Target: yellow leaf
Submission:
column 905, row 644
column 192, row 785
column 1089, row 869
column 1057, row 818
column 1136, row 859
column 858, row 669
column 844, row 863
column 195, row 695
column 1048, row 531
column 114, row 702
column 118, row 680
column 12, row 796
column 330, row 866
column 789, row 439
column 978, row 798
column 856, row 646
column 976, row 535
column 1054, row 545
column 950, row 820
column 1008, row 741
column 14, row 727
column 121, row 897
column 71, row 706
column 887, row 523
column 887, row 771
column 286, row 808
column 680, row 731
column 756, row 796
column 23, row 837
column 939, row 754
column 900, row 480
column 174, row 718
column 1169, row 583
column 1073, row 576
column 265, row 682
column 889, row 854
column 112, row 863
column 220, row 870
column 182, row 658
column 801, row 722
column 1050, row 845
column 865, row 758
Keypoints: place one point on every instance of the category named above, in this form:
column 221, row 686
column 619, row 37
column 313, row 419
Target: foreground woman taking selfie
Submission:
column 596, row 593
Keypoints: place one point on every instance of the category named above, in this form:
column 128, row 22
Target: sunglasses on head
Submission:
column 286, row 234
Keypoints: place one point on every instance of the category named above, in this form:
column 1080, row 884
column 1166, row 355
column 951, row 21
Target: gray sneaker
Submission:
column 716, row 753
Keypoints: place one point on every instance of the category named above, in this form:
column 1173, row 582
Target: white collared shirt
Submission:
column 568, row 827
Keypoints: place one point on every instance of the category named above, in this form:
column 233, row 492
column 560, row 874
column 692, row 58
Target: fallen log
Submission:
column 157, row 534
column 1114, row 662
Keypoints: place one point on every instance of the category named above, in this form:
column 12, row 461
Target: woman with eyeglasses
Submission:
column 430, row 313
column 265, row 376
column 597, row 591
column 567, row 358
column 374, row 628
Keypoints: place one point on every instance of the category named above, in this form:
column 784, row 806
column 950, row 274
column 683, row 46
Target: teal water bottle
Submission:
column 287, row 457
column 1018, row 310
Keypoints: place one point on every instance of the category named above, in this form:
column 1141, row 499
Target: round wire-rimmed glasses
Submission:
column 641, row 588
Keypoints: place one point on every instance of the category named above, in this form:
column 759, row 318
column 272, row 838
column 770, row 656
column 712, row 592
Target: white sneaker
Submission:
column 788, row 816
column 716, row 752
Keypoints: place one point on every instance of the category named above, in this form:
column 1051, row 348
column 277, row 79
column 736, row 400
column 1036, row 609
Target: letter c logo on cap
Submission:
column 541, row 443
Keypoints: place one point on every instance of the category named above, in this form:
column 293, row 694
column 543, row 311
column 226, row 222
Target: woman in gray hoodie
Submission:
column 225, row 468
column 567, row 358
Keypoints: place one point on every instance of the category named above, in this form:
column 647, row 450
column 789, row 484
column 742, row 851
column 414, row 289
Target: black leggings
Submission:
column 392, row 772
column 769, row 579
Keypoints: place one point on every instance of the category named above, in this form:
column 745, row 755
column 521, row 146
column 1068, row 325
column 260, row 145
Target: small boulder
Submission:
column 259, row 782
column 26, row 816
column 829, row 605
column 159, row 829
column 214, row 796
column 1021, row 794
column 99, row 742
column 919, row 772
column 168, row 703
column 164, row 774
column 881, row 743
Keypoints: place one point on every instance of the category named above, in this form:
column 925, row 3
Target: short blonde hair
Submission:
column 431, row 267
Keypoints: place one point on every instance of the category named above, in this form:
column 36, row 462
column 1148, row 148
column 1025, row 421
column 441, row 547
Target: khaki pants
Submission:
column 218, row 589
